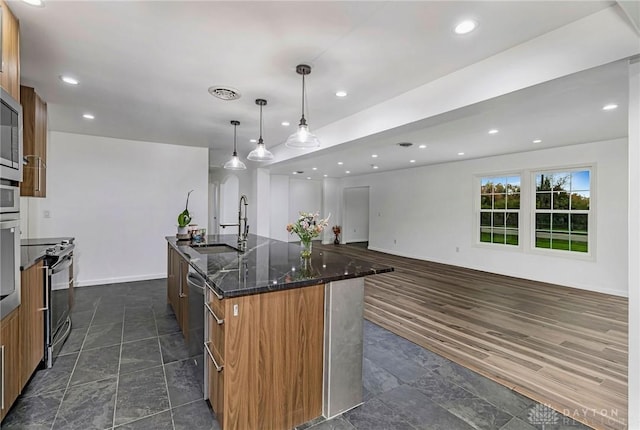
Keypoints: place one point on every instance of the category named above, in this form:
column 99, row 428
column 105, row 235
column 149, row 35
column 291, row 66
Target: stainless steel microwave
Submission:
column 10, row 138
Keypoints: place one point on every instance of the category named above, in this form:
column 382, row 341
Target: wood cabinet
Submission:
column 264, row 352
column 10, row 74
column 10, row 361
column 31, row 320
column 265, row 356
column 34, row 114
column 177, row 289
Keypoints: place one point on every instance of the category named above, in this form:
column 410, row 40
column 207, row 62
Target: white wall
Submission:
column 634, row 244
column 304, row 196
column 331, row 204
column 279, row 207
column 356, row 215
column 119, row 199
column 429, row 222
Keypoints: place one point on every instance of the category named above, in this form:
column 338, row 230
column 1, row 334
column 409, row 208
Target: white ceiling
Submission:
column 144, row 68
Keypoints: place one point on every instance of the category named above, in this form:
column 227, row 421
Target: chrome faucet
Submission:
column 243, row 230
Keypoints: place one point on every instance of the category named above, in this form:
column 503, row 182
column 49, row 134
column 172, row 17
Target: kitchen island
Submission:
column 282, row 334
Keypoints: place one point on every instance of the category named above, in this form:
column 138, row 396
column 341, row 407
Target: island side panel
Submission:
column 274, row 359
column 343, row 346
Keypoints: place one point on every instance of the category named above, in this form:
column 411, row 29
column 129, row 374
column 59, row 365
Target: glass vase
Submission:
column 306, row 248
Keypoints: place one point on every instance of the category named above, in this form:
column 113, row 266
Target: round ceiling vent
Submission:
column 405, row 144
column 224, row 93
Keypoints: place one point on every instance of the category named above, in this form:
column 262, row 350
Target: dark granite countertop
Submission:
column 268, row 265
column 33, row 250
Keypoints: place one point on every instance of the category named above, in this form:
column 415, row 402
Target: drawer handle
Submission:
column 215, row 293
column 218, row 320
column 2, row 346
column 218, row 367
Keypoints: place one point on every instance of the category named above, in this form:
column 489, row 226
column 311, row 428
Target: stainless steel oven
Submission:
column 9, row 264
column 9, row 198
column 10, row 138
column 58, row 299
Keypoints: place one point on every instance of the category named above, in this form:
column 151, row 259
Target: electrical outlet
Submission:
column 457, row 249
column 235, row 310
column 47, row 214
column 394, row 241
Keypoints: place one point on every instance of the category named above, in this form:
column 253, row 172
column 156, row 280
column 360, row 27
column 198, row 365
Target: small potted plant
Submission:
column 184, row 218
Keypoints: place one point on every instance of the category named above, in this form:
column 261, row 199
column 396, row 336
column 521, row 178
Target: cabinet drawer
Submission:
column 217, row 305
column 216, row 390
column 216, row 332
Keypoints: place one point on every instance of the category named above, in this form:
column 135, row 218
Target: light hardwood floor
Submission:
column 560, row 346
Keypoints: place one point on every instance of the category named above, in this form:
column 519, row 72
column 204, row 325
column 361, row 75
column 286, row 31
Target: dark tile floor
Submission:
column 126, row 367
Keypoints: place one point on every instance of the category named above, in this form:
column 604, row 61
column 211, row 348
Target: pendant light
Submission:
column 234, row 163
column 261, row 153
column 303, row 138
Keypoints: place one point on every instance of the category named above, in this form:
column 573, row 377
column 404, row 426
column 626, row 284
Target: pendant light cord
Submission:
column 303, row 121
column 235, row 127
column 260, row 140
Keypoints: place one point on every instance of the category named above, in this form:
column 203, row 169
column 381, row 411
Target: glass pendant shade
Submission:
column 303, row 138
column 234, row 163
column 261, row 153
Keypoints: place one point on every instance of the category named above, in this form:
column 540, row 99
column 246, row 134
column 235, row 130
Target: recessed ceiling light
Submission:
column 294, row 173
column 69, row 80
column 285, row 123
column 308, row 177
column 88, row 116
column 537, row 141
column 493, row 131
column 460, row 153
column 252, row 140
column 611, row 106
column 422, row 146
column 466, row 26
column 340, row 163
column 38, row 3
column 348, row 171
column 412, row 161
column 374, row 166
column 374, row 155
column 325, row 175
column 314, row 168
column 341, row 93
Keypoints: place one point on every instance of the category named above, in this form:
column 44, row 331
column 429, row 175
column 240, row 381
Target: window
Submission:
column 499, row 209
column 562, row 210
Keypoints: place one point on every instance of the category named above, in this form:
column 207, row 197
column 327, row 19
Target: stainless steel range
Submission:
column 58, row 298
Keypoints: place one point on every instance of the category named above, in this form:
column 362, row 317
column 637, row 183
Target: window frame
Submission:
column 478, row 210
column 591, row 212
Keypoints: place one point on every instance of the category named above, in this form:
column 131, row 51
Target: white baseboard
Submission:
column 119, row 280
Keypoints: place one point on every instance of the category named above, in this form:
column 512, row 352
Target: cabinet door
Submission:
column 173, row 279
column 34, row 118
column 10, row 75
column 10, row 357
column 32, row 320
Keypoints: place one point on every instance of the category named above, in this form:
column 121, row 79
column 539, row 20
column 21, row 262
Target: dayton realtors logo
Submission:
column 542, row 415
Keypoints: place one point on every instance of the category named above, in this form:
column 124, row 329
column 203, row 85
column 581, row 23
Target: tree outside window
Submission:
column 499, row 209
column 562, row 210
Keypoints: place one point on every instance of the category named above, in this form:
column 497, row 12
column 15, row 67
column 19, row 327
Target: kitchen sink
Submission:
column 213, row 248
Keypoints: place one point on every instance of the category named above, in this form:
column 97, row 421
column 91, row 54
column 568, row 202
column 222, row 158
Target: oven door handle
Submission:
column 61, row 265
column 46, row 290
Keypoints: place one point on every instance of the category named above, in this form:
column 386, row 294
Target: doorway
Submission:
column 356, row 215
